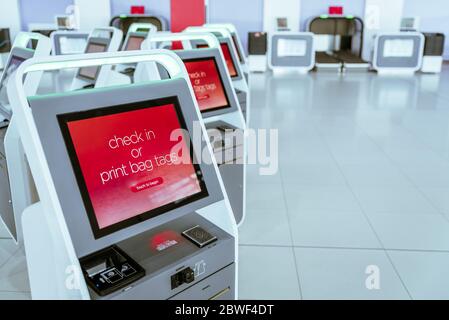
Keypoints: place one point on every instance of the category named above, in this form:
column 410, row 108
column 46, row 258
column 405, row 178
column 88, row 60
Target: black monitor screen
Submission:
column 134, row 43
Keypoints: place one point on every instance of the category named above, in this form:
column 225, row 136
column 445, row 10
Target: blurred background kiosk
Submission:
column 121, row 221
column 137, row 33
column 239, row 80
column 219, row 108
column 399, row 53
column 291, row 51
column 338, row 42
column 237, row 43
column 17, row 189
column 68, row 42
column 106, row 39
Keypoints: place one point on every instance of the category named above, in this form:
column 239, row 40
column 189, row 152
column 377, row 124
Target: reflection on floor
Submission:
column 362, row 190
column 361, row 199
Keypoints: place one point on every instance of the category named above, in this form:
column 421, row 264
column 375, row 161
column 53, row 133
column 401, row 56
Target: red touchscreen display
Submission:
column 228, row 59
column 127, row 164
column 207, row 84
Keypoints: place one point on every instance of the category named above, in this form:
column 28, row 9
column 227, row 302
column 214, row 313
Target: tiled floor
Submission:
column 360, row 206
column 363, row 189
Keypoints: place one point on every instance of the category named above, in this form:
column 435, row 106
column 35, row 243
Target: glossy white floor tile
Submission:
column 412, row 232
column 426, row 274
column 14, row 275
column 394, row 200
column 364, row 168
column 301, row 199
column 265, row 196
column 439, row 197
column 3, row 233
column 266, row 227
column 344, row 274
column 7, row 250
column 332, row 229
column 11, row 295
column 275, row 277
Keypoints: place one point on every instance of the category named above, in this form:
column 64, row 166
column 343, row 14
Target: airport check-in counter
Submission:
column 291, row 51
column 338, row 43
column 398, row 53
column 69, row 43
column 219, row 108
column 138, row 214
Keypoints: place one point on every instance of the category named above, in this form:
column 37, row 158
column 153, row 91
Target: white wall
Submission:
column 10, row 17
column 434, row 16
column 380, row 16
column 93, row 13
column 290, row 9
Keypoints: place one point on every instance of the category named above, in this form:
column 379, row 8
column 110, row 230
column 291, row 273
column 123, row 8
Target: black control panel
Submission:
column 110, row 270
column 199, row 236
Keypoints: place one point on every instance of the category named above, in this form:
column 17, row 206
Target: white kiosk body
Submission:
column 166, row 233
column 219, row 108
column 398, row 53
column 230, row 54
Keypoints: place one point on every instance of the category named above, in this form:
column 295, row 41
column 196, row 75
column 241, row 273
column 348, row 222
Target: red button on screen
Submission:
column 147, row 185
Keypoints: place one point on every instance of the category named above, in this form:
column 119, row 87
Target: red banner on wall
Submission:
column 186, row 13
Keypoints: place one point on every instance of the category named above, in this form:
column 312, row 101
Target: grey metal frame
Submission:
column 303, row 61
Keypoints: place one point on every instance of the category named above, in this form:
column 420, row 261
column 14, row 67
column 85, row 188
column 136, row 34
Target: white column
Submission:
column 93, row 13
column 273, row 9
column 10, row 16
column 380, row 16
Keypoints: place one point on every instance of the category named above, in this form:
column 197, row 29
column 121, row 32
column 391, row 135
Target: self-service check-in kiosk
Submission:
column 291, row 51
column 398, row 53
column 219, row 108
column 68, row 42
column 137, row 33
column 106, row 39
column 237, row 43
column 234, row 67
column 16, row 186
column 130, row 206
column 124, row 21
